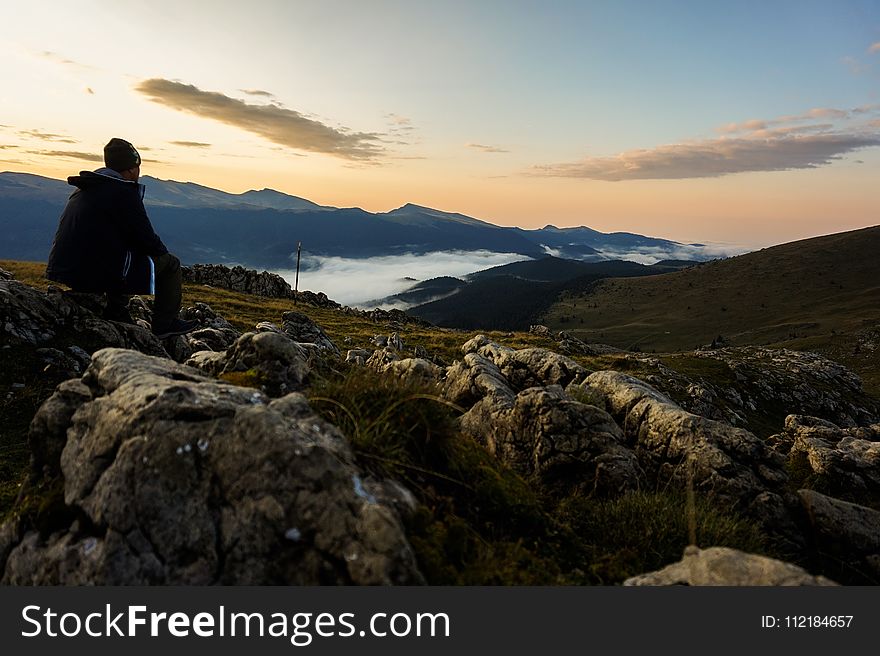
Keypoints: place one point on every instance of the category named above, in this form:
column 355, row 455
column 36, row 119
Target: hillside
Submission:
column 819, row 294
column 432, row 455
column 514, row 296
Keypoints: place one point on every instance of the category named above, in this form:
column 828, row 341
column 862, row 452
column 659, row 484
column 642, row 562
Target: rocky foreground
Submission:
column 172, row 474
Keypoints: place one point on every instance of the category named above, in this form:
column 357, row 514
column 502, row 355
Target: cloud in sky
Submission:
column 279, row 125
column 71, row 154
column 874, row 48
column 486, row 149
column 258, row 92
column 47, row 136
column 190, row 144
column 779, row 144
column 64, row 61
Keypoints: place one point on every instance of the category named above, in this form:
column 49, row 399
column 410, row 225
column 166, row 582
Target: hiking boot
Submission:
column 176, row 327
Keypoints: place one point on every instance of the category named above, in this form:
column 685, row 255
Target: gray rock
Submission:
column 279, row 363
column 729, row 567
column 358, row 356
column 528, row 367
column 184, row 480
column 300, row 328
column 727, row 463
column 564, row 443
column 476, row 377
column 47, row 434
column 842, row 461
column 414, row 369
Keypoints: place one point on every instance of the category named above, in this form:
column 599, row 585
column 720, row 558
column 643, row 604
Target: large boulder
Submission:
column 730, row 464
column 566, row 444
column 728, row 567
column 176, row 478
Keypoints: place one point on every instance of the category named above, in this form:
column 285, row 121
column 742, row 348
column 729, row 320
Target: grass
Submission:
column 479, row 523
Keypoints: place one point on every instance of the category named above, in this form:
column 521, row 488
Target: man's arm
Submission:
column 138, row 229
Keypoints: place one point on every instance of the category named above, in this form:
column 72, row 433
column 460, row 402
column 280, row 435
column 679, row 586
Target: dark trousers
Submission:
column 166, row 303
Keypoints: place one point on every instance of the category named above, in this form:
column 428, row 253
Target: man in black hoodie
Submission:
column 106, row 243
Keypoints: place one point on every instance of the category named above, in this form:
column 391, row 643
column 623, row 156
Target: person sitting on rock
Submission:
column 105, row 243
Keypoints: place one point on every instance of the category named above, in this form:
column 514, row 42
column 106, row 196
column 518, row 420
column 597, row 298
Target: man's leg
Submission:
column 168, row 296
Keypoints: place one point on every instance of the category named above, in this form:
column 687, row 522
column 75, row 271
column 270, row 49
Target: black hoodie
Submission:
column 102, row 227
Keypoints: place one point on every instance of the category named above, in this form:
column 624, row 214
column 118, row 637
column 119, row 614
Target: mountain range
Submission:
column 261, row 229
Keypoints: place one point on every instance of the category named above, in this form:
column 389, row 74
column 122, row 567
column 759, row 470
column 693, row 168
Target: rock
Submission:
column 528, row 367
column 212, row 339
column 841, row 461
column 277, row 363
column 210, row 362
column 473, row 379
column 540, row 330
column 847, row 532
column 202, row 314
column 571, row 345
column 267, row 327
column 33, row 319
column 564, row 443
column 414, row 369
column 60, row 364
column 183, row 480
column 381, row 358
column 379, row 340
column 47, row 434
column 238, row 279
column 300, row 328
column 729, row 567
column 727, row 463
column 358, row 356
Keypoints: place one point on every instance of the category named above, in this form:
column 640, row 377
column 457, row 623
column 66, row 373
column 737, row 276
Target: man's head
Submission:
column 122, row 157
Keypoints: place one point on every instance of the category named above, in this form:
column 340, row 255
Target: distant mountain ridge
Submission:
column 260, row 229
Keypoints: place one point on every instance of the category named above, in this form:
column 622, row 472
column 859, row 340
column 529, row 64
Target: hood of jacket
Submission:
column 88, row 179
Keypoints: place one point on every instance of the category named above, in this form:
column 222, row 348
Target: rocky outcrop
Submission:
column 727, row 463
column 528, row 367
column 176, row 478
column 724, row 566
column 31, row 318
column 301, row 329
column 844, row 462
column 566, row 444
column 744, row 386
column 532, row 425
column 238, row 279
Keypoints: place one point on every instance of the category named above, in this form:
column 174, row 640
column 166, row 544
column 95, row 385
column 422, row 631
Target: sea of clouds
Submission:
column 354, row 281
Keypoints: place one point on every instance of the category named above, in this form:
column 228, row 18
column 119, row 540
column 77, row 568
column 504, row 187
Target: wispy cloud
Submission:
column 190, row 144
column 258, row 92
column 70, row 154
column 62, row 60
column 779, row 144
column 5, row 146
column 277, row 124
column 90, row 91
column 47, row 136
column 874, row 48
column 486, row 149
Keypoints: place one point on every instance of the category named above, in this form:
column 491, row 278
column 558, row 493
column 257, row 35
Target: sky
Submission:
column 749, row 123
